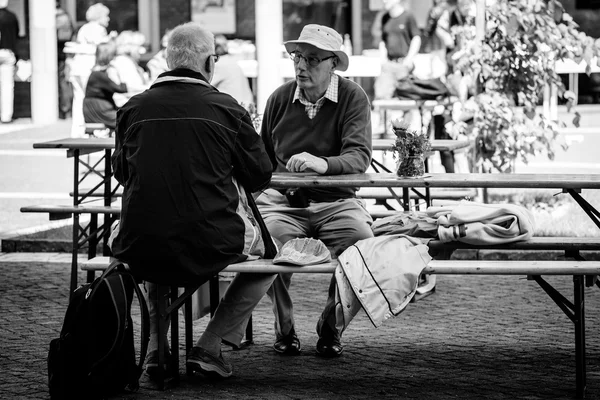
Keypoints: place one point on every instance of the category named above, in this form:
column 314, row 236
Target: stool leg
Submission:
column 161, row 303
column 189, row 332
column 174, row 362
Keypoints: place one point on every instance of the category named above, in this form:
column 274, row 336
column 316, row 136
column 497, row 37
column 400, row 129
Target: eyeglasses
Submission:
column 216, row 57
column 312, row 61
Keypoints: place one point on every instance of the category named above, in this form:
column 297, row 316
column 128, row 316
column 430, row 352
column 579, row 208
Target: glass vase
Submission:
column 412, row 166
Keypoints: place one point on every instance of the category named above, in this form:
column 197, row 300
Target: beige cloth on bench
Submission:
column 462, row 221
column 478, row 223
column 379, row 275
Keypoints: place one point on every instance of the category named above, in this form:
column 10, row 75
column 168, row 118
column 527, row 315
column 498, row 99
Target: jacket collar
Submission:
column 182, row 75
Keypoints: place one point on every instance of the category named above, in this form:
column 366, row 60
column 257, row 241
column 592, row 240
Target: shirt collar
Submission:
column 331, row 93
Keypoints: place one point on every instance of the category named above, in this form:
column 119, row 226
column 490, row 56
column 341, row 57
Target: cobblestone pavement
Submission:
column 477, row 337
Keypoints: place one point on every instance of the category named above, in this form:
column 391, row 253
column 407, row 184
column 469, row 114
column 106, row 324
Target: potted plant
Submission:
column 409, row 150
column 510, row 68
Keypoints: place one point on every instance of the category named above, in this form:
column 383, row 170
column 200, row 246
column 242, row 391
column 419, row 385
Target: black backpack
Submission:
column 95, row 354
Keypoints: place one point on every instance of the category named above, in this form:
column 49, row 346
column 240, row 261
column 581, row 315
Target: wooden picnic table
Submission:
column 569, row 183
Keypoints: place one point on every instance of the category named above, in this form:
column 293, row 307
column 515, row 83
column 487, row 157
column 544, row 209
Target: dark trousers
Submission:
column 439, row 132
column 65, row 92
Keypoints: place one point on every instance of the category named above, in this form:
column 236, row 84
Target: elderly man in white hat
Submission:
column 320, row 123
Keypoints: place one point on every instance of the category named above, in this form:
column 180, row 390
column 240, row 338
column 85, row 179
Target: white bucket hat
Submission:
column 324, row 38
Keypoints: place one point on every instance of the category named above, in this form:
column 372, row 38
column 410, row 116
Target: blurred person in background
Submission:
column 158, row 63
column 229, row 77
column 94, row 31
column 98, row 104
column 88, row 37
column 64, row 33
column 9, row 34
column 400, row 43
column 125, row 67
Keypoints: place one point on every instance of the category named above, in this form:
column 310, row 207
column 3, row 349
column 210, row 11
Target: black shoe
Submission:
column 288, row 344
column 329, row 348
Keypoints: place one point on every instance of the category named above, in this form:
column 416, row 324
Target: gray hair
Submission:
column 189, row 46
column 96, row 12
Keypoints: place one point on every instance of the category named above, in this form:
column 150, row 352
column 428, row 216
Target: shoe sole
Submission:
column 329, row 354
column 288, row 352
column 206, row 368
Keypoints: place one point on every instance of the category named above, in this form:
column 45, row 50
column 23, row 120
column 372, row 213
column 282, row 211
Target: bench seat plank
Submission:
column 71, row 209
column 384, row 193
column 535, row 243
column 446, row 267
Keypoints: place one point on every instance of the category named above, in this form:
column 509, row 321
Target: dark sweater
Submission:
column 398, row 32
column 340, row 133
column 9, row 30
column 100, row 86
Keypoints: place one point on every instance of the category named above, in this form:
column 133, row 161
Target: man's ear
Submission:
column 209, row 65
column 335, row 61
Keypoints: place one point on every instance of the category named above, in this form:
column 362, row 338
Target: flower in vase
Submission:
column 409, row 150
column 408, row 142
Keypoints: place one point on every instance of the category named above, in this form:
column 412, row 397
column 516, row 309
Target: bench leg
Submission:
column 189, row 332
column 580, row 371
column 163, row 318
column 74, row 255
column 174, row 361
column 576, row 313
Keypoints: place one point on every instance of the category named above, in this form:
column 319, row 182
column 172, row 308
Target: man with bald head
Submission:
column 183, row 152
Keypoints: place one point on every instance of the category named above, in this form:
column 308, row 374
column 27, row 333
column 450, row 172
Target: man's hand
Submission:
column 305, row 161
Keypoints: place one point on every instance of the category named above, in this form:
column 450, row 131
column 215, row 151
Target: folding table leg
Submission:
column 579, row 303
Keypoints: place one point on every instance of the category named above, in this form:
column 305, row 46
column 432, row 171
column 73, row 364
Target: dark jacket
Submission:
column 178, row 146
column 9, row 31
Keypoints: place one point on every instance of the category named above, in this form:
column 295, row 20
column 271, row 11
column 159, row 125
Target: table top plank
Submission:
column 94, row 143
column 470, row 180
column 91, row 143
column 436, row 144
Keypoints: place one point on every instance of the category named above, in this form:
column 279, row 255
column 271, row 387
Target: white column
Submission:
column 149, row 23
column 42, row 44
column 269, row 41
column 480, row 20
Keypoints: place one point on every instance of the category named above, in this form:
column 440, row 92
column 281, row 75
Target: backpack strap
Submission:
column 117, row 296
column 270, row 248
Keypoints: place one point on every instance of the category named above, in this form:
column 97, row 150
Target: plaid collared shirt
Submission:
column 313, row 108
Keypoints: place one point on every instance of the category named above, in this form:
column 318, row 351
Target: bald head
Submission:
column 189, row 46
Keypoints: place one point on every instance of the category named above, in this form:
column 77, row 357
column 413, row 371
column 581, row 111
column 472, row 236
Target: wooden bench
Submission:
column 532, row 269
column 63, row 211
column 90, row 234
column 383, row 195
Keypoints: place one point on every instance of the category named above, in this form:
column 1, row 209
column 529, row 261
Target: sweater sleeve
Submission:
column 356, row 132
column 251, row 161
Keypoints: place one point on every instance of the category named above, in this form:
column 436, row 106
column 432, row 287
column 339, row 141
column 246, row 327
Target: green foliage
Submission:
column 408, row 143
column 523, row 40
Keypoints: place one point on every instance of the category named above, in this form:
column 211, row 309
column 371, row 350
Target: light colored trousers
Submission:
column 7, row 84
column 338, row 224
